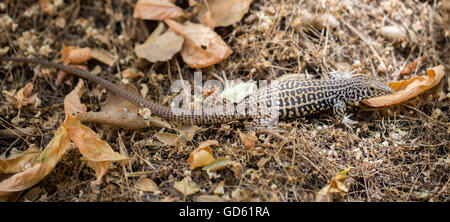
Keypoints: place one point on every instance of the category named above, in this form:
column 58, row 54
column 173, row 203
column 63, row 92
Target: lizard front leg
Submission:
column 339, row 110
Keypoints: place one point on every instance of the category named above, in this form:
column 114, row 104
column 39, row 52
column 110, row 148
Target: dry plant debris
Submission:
column 396, row 153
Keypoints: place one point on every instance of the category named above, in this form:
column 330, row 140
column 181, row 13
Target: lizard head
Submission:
column 368, row 87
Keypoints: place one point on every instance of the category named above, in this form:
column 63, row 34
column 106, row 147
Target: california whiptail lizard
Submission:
column 294, row 98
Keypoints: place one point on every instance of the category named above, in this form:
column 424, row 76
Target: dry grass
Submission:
column 400, row 153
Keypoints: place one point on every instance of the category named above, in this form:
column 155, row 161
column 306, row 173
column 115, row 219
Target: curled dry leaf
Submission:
column 160, row 46
column 75, row 55
column 203, row 155
column 326, row 194
column 318, row 21
column 147, row 185
column 248, row 140
column 72, row 103
column 186, row 186
column 170, row 139
column 397, row 34
column 131, row 73
column 121, row 120
column 223, row 12
column 208, row 198
column 100, row 169
column 202, row 47
column 103, row 56
column 19, row 161
column 223, row 163
column 88, row 142
column 188, row 131
column 156, row 10
column 25, row 96
column 410, row 88
column 44, row 164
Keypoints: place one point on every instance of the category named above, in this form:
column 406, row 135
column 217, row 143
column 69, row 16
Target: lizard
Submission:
column 288, row 99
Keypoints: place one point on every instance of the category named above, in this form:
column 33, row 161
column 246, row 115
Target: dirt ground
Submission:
column 397, row 153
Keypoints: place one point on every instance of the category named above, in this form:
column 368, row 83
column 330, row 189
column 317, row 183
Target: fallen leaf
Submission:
column 248, row 140
column 20, row 161
column 326, row 194
column 160, row 46
column 44, row 164
column 75, row 55
column 223, row 163
column 186, row 186
column 131, row 73
column 203, row 155
column 410, row 88
column 25, row 96
column 103, row 56
column 88, row 142
column 396, row 33
column 100, row 168
column 411, row 67
column 156, row 10
column 188, row 131
column 147, row 185
column 33, row 194
column 168, row 138
column 202, row 47
column 72, row 103
column 224, row 12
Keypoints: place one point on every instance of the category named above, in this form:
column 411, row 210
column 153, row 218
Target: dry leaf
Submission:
column 20, row 161
column 131, row 73
column 75, row 55
column 100, row 168
column 188, row 131
column 407, row 89
column 147, row 185
column 411, row 67
column 248, row 140
column 202, row 47
column 88, row 142
column 45, row 163
column 326, row 194
column 223, row 163
column 186, row 186
column 224, row 12
column 396, row 33
column 208, row 20
column 203, row 155
column 156, row 10
column 25, row 96
column 160, row 47
column 103, row 56
column 72, row 103
column 168, row 138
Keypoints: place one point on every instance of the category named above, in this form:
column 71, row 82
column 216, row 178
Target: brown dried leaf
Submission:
column 156, row 10
column 103, row 56
column 18, row 162
column 411, row 67
column 223, row 163
column 248, row 140
column 224, row 12
column 202, row 47
column 186, row 186
column 407, row 89
column 326, row 194
column 25, row 97
column 88, row 142
column 203, row 155
column 45, row 163
column 72, row 103
column 170, row 139
column 131, row 73
column 160, row 47
column 75, row 55
column 147, row 185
